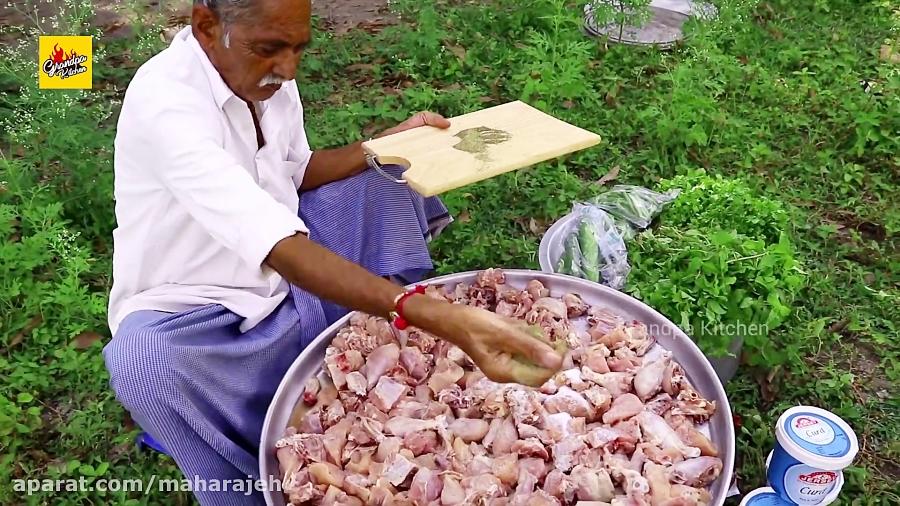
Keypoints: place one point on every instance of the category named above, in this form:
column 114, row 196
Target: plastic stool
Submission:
column 145, row 440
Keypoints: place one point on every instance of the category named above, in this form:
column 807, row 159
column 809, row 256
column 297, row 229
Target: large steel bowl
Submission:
column 696, row 367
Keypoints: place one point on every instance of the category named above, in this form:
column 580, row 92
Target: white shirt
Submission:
column 198, row 205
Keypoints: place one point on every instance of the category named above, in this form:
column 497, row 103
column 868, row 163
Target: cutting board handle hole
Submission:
column 394, row 160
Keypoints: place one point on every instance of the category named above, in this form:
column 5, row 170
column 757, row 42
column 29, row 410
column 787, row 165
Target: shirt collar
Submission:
column 220, row 90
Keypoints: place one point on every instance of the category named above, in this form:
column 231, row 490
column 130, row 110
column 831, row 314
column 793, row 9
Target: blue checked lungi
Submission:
column 201, row 388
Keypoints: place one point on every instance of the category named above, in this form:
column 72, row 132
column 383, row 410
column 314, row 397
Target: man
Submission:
column 237, row 244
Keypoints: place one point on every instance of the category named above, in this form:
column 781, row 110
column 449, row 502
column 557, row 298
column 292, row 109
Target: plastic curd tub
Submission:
column 812, row 448
column 763, row 497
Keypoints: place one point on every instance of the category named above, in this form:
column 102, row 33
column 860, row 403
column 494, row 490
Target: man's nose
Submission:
column 286, row 66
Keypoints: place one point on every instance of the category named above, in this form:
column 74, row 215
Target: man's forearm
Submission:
column 328, row 165
column 325, row 274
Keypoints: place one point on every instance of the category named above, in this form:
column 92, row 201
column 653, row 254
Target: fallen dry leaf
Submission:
column 464, row 217
column 459, row 51
column 20, row 335
column 84, row 340
column 609, row 176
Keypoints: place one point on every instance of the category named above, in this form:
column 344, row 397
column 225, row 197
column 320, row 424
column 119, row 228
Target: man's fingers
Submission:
column 434, row 119
column 535, row 350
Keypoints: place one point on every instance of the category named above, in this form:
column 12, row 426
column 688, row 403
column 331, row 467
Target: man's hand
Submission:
column 501, row 347
column 424, row 118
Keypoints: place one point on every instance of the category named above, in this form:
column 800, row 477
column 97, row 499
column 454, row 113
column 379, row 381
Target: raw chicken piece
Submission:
column 421, row 442
column 387, row 447
column 617, row 383
column 535, row 467
column 357, row 485
column 350, row 400
column 648, row 380
column 697, row 472
column 334, row 413
column 381, row 329
column 482, row 487
column 560, row 486
column 397, row 468
column 659, row 404
column 365, row 431
column 311, row 422
column 420, row 339
column 690, row 403
column 337, row 497
column 530, row 447
column 456, row 355
column 569, row 401
column 339, row 364
column 525, row 484
column 501, row 435
column 673, row 378
column 634, row 484
column 426, row 486
column 311, row 391
column 481, row 464
column 525, row 405
column 357, row 383
column 359, row 459
column 565, row 452
column 452, row 493
column 624, row 360
column 657, row 431
column 446, row 373
column 506, row 469
column 657, row 455
column 701, row 496
column 530, row 431
column 603, row 320
column 595, row 358
column 461, row 452
column 491, row 278
column 455, row 398
column 592, row 484
column 401, row 426
column 423, row 394
column 633, row 336
column 436, row 409
column 549, row 387
column 592, row 503
column 600, row 399
column 536, row 290
column 551, row 306
column 506, row 309
column 416, row 363
column 386, row 393
column 691, row 436
column 380, row 361
column 558, row 426
column 623, row 407
column 469, row 429
column 323, row 473
column 335, row 439
column 571, row 378
column 575, row 305
column 407, row 408
column 307, row 447
column 658, row 479
column 495, row 405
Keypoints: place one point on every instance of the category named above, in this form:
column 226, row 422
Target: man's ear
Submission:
column 206, row 26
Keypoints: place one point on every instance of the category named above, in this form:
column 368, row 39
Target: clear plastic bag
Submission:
column 594, row 249
column 633, row 204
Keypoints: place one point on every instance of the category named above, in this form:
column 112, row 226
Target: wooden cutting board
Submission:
column 477, row 146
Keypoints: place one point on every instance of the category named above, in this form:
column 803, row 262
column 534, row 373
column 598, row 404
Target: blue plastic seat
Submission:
column 146, row 440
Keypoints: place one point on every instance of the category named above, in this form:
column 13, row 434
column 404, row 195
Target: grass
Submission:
column 768, row 93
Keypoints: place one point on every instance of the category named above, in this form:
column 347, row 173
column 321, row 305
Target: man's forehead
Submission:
column 281, row 21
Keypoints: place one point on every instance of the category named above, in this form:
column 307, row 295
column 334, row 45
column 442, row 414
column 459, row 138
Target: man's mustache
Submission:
column 271, row 79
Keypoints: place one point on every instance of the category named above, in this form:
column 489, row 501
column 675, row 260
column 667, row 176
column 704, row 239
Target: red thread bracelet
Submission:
column 397, row 317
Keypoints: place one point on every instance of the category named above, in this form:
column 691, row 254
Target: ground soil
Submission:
column 338, row 16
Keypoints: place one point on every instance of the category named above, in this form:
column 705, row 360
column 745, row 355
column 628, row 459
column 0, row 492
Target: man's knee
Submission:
column 140, row 369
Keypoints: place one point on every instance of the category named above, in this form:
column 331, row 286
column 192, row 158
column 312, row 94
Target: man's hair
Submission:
column 230, row 11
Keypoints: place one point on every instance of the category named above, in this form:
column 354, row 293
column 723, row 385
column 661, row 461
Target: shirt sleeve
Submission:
column 186, row 138
column 299, row 150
